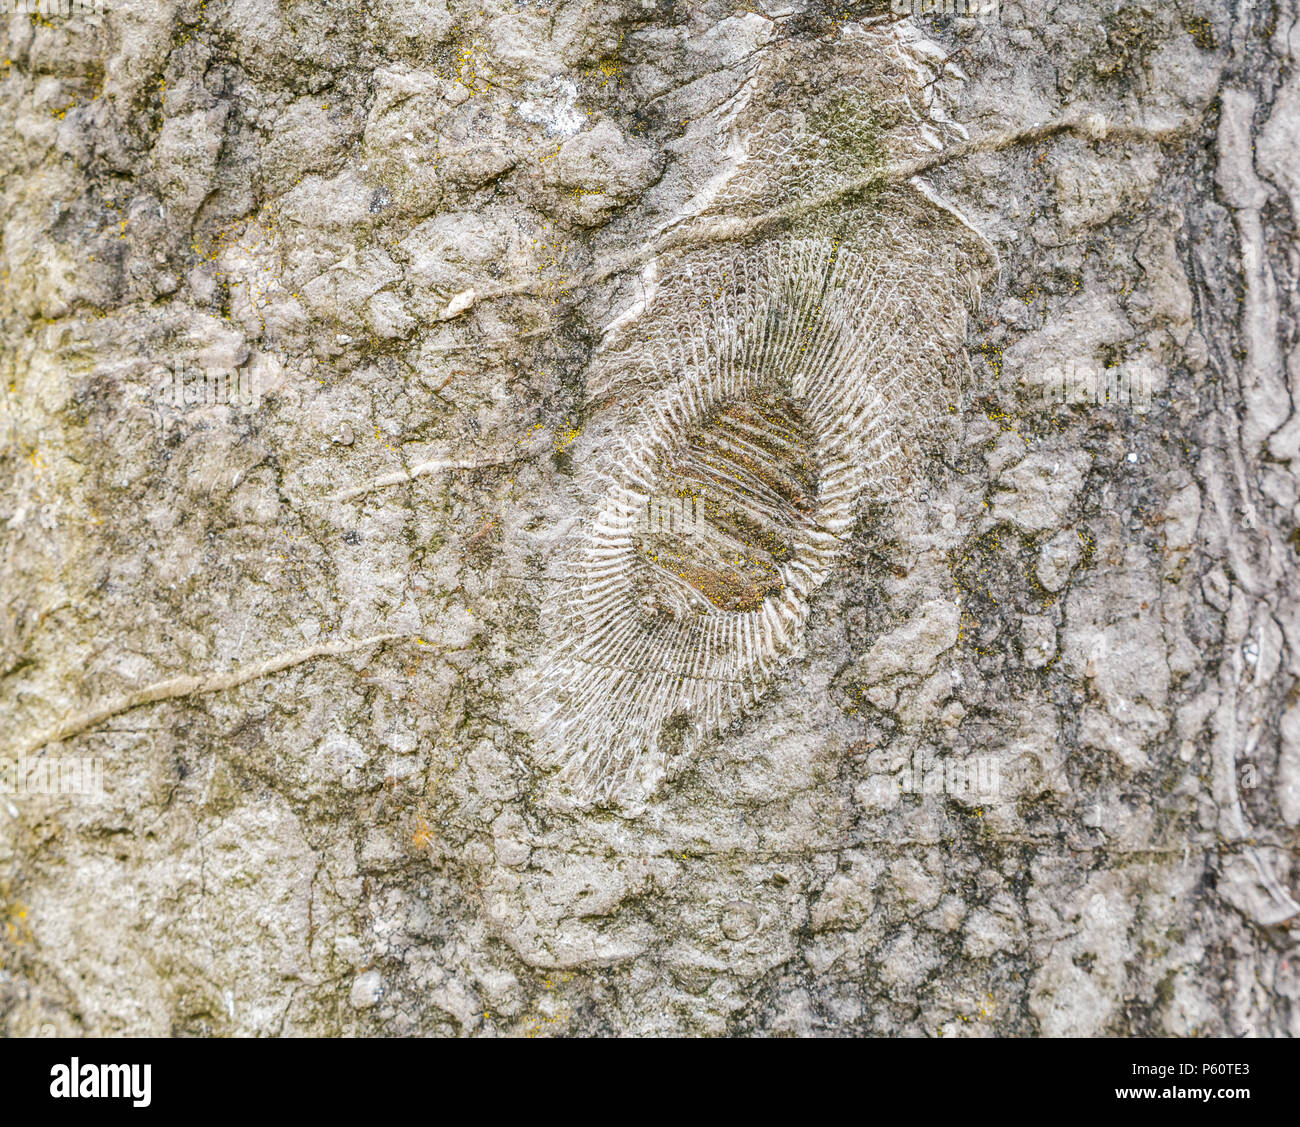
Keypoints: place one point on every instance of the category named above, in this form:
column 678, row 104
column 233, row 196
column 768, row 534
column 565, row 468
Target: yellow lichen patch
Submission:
column 423, row 836
column 551, row 1011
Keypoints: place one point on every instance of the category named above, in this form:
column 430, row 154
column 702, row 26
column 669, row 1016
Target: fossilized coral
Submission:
column 767, row 391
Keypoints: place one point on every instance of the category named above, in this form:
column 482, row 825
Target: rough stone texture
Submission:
column 293, row 631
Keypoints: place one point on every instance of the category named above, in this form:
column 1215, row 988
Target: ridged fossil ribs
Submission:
column 761, row 399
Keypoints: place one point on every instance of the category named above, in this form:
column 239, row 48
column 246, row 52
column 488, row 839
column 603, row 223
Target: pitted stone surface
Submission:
column 330, row 333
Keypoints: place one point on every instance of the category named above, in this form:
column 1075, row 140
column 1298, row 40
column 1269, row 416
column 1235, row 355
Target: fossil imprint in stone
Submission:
column 791, row 382
column 760, row 398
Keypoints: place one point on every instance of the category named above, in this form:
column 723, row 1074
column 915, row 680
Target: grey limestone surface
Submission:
column 306, row 314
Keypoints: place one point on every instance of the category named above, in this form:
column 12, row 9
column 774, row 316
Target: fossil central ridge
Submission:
column 746, row 483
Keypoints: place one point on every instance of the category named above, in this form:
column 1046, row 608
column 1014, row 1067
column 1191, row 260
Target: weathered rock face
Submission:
column 650, row 518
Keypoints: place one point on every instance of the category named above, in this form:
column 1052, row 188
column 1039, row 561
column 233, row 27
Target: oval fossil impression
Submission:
column 760, row 398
